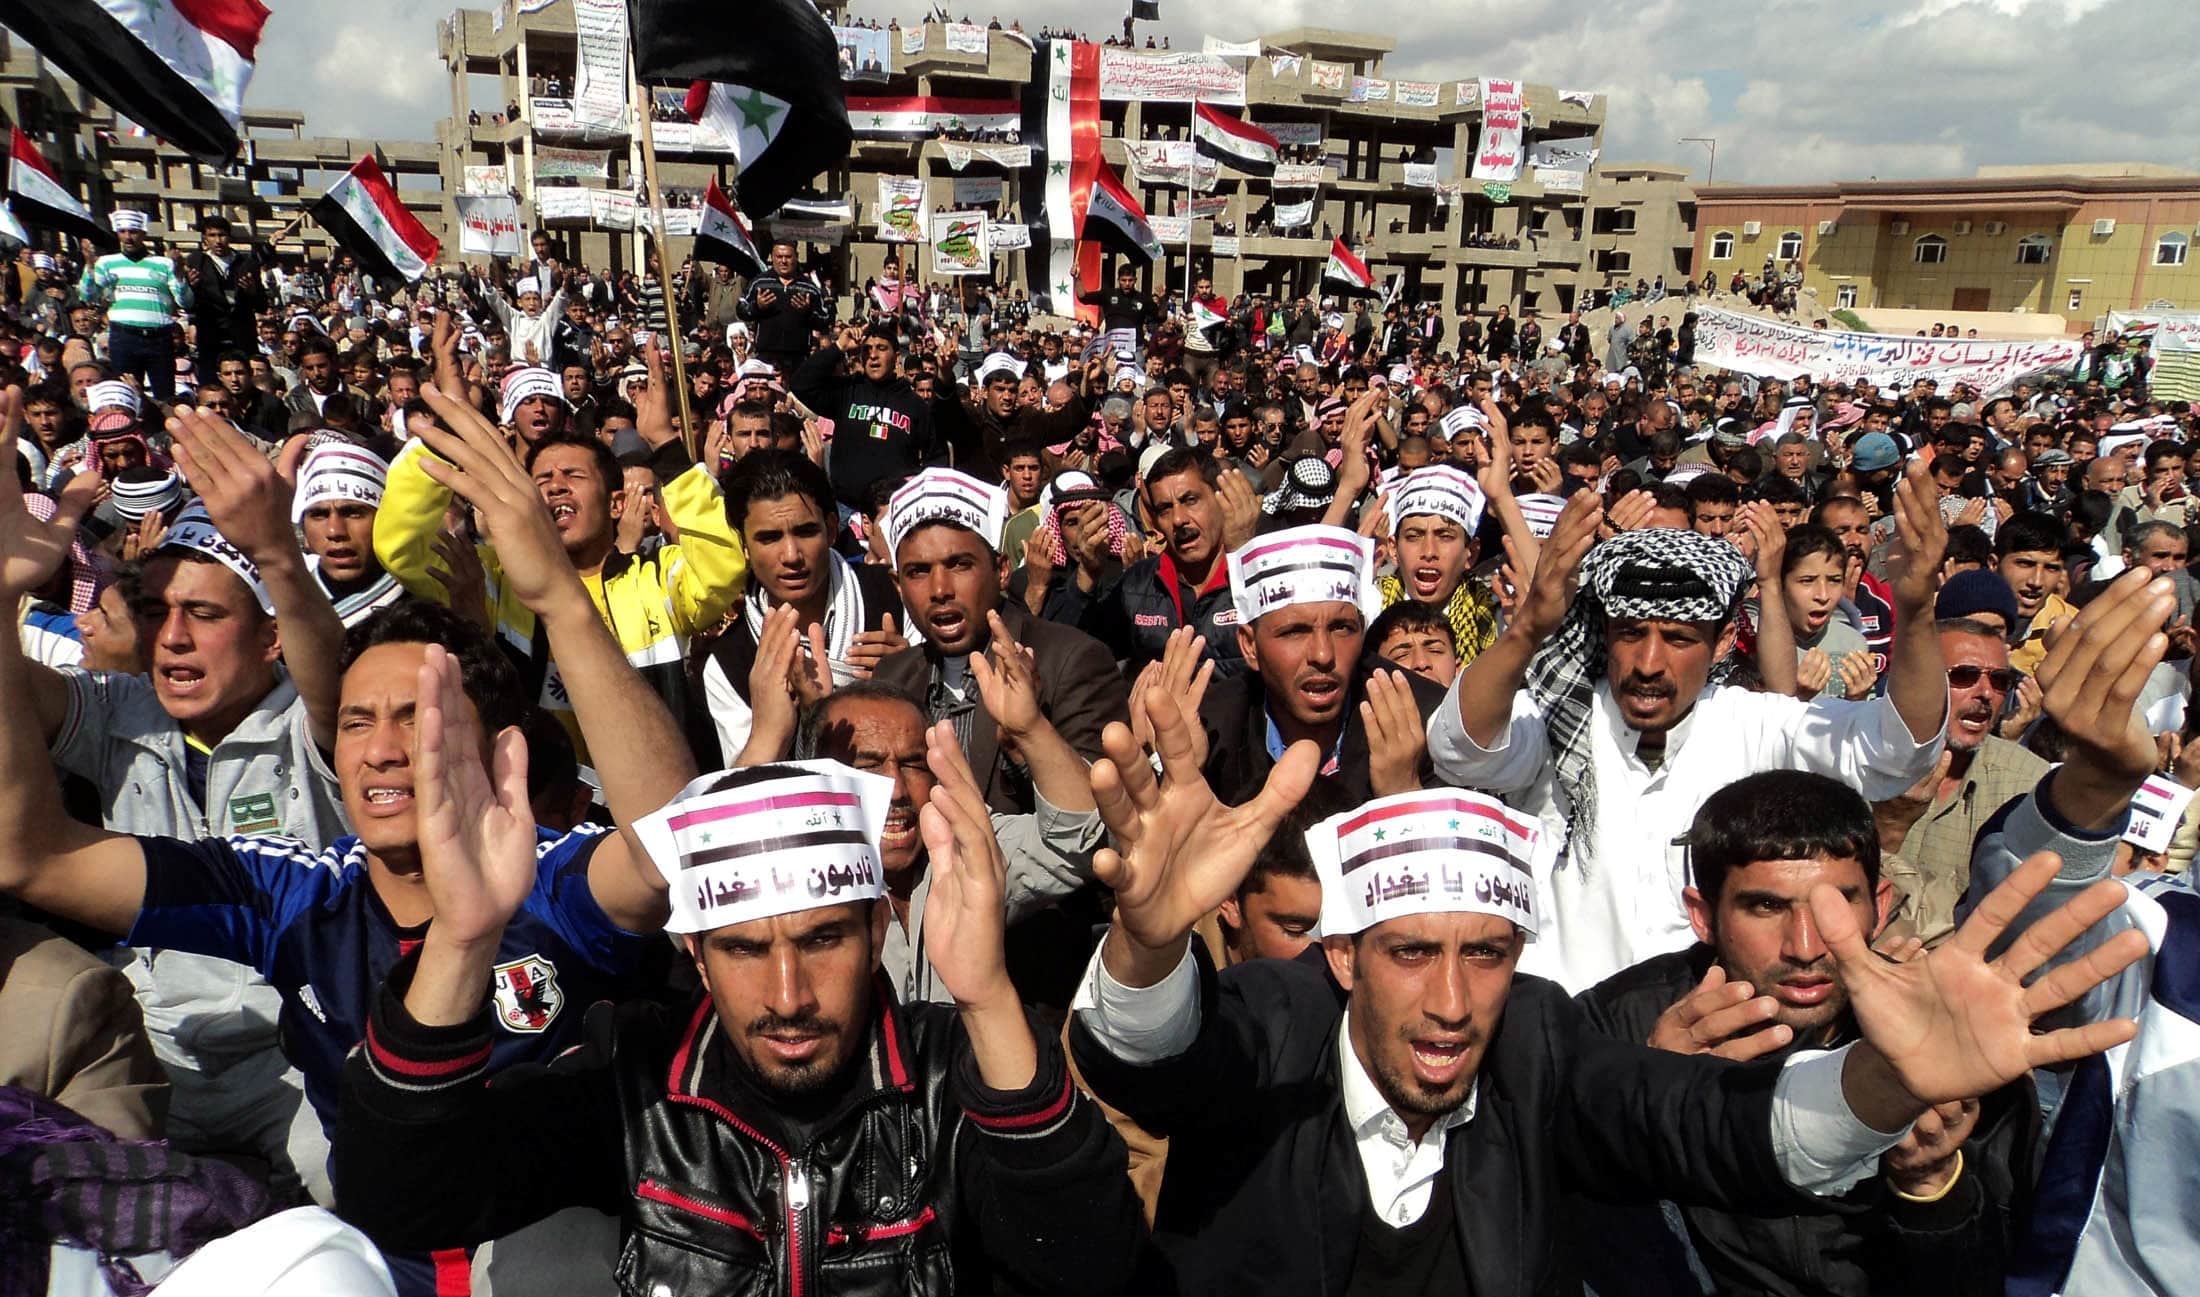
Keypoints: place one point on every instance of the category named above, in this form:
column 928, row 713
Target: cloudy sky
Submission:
column 1791, row 89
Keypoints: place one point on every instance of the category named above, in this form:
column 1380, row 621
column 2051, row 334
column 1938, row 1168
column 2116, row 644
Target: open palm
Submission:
column 477, row 832
column 31, row 551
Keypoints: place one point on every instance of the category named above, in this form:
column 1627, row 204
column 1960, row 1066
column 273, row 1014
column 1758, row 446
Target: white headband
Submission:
column 1441, row 490
column 795, row 836
column 340, row 474
column 194, row 532
column 1000, row 362
column 110, row 394
column 1439, row 851
column 944, row 495
column 126, row 218
column 1312, row 564
column 1463, row 418
column 525, row 383
column 1541, row 512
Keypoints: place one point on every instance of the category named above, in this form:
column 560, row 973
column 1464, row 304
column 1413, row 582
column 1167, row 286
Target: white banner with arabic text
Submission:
column 1751, row 344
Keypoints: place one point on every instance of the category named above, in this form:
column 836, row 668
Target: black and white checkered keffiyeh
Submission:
column 1659, row 574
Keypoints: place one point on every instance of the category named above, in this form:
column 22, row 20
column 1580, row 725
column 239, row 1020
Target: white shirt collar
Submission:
column 1364, row 1105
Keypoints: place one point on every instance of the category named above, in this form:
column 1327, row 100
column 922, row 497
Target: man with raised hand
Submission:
column 1405, row 1115
column 797, row 1128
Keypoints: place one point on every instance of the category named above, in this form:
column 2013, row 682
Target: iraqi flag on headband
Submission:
column 179, row 67
column 1233, row 140
column 1347, row 273
column 1116, row 219
column 723, row 237
column 363, row 212
column 39, row 199
column 769, row 82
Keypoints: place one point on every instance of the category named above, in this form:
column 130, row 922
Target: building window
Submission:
column 1791, row 246
column 1615, row 261
column 1722, row 246
column 1929, row 250
column 2032, row 249
column 2171, row 250
column 2077, row 302
column 1845, row 297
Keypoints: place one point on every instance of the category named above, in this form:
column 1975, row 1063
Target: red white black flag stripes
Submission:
column 1347, row 273
column 364, row 213
column 1116, row 218
column 39, row 198
column 722, row 236
column 1233, row 140
column 176, row 67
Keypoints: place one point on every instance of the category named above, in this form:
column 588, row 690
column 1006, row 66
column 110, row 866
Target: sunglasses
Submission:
column 2003, row 679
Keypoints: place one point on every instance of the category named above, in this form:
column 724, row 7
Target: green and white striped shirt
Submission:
column 145, row 293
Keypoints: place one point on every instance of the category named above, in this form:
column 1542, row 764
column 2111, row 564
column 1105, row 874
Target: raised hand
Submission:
column 1722, row 1018
column 248, row 501
column 465, row 584
column 866, row 649
column 771, row 697
column 1857, row 676
column 1240, row 508
column 2090, row 682
column 965, row 911
column 1924, row 539
column 1008, row 681
column 477, row 829
column 32, row 551
column 1397, row 738
column 480, row 468
column 1956, row 1025
column 1631, row 512
column 1183, row 675
column 653, row 403
column 1179, row 853
column 1813, row 672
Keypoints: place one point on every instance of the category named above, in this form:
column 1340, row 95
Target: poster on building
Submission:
column 958, row 243
column 1465, row 92
column 977, row 191
column 552, row 116
column 1170, row 231
column 1225, row 245
column 1293, row 216
column 1420, row 175
column 1211, row 207
column 1572, row 153
column 1178, row 78
column 484, row 180
column 1582, row 99
column 956, row 155
column 1223, row 49
column 1330, row 77
column 679, row 221
column 912, row 39
column 599, row 83
column 1753, row 344
column 866, row 53
column 555, row 163
column 2175, row 336
column 611, row 209
column 1006, row 237
column 1497, row 152
column 1015, row 157
column 1558, row 180
column 1298, row 175
column 1286, row 67
column 966, row 38
column 1418, row 94
column 1368, row 90
column 488, row 225
column 561, row 203
column 1294, row 134
column 900, row 209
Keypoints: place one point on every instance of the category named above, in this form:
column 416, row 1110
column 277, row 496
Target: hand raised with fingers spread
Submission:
column 1008, row 681
column 1183, row 673
column 1397, row 737
column 2089, row 684
column 246, row 498
column 1722, row 1018
column 477, row 828
column 1631, row 512
column 965, row 910
column 478, row 467
column 866, row 649
column 1924, row 539
column 32, row 551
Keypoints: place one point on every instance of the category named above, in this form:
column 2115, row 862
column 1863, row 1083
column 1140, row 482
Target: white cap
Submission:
column 1311, row 564
column 1432, row 851
column 1441, row 490
column 342, row 473
column 944, row 495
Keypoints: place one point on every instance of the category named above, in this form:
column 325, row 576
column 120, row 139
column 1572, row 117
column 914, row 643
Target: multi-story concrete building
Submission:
column 2069, row 240
column 1642, row 224
column 1444, row 237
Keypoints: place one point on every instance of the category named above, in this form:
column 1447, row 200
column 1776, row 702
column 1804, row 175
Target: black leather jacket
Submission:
column 921, row 1180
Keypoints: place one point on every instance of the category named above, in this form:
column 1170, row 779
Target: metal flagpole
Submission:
column 1191, row 187
column 643, row 111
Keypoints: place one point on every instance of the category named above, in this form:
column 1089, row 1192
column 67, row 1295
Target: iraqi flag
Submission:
column 363, row 212
column 1116, row 219
column 923, row 114
column 1347, row 273
column 177, row 66
column 769, row 83
column 722, row 236
column 39, row 199
column 1233, row 140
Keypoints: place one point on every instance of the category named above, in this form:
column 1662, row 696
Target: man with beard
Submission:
column 259, row 413
column 782, row 507
column 226, row 293
column 1407, row 1115
column 881, row 429
column 339, row 489
column 977, row 430
column 1932, row 825
column 1195, row 502
column 797, row 1128
column 1936, row 1220
column 1604, row 716
column 1303, row 598
column 941, row 528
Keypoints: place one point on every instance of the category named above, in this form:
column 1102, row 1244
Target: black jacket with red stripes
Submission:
column 919, row 1179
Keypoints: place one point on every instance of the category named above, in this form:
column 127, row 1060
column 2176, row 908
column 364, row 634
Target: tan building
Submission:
column 2068, row 240
column 1642, row 224
column 1524, row 247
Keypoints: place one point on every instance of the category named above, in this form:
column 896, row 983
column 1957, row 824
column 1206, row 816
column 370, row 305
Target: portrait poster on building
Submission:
column 866, row 54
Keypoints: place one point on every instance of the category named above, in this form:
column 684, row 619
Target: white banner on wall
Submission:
column 966, row 38
column 488, row 225
column 1497, row 154
column 1752, row 344
column 561, row 203
column 1418, row 94
column 1177, row 78
column 599, row 84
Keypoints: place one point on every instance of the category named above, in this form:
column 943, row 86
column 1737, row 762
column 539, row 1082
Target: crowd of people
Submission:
column 536, row 781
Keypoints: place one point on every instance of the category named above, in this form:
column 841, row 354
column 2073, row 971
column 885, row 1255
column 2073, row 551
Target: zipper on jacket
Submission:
column 794, row 1180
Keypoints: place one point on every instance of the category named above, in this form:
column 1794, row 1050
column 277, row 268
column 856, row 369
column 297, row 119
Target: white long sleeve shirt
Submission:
column 1614, row 898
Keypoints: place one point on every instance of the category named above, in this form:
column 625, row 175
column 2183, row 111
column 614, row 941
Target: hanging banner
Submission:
column 1368, row 90
column 977, row 191
column 1498, row 191
column 484, row 180
column 554, row 163
column 1573, row 153
column 552, row 116
column 1583, row 98
column 1751, row 344
column 488, row 224
column 1294, row 134
column 1298, row 175
column 611, row 209
column 966, row 38
column 1466, row 92
column 1497, row 153
column 1169, row 78
column 2175, row 336
column 680, row 222
column 912, row 39
column 1330, row 76
column 599, row 84
column 1225, row 245
column 1013, row 157
column 928, row 114
column 1211, row 208
column 1292, row 216
column 1418, row 94
column 561, row 203
column 1285, row 67
column 865, row 53
column 829, row 232
column 958, row 243
column 900, row 209
column 1230, row 49
column 1558, row 180
column 1171, row 231
column 957, row 155
column 1420, row 175
column 818, row 209
column 1007, row 238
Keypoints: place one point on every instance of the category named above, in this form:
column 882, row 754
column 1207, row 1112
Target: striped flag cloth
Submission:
column 38, row 198
column 179, row 67
column 363, row 212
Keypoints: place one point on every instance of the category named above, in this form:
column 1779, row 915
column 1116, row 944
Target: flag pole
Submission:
column 689, row 433
column 1191, row 189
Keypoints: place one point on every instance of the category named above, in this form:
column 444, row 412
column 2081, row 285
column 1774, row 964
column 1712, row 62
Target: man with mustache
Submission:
column 1932, row 824
column 1589, row 711
column 1756, row 851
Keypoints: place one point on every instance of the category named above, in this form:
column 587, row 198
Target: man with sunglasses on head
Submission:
column 1933, row 824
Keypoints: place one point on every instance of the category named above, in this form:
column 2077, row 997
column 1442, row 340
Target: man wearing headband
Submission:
column 1603, row 713
column 1408, row 1114
column 1303, row 598
column 145, row 299
column 941, row 531
column 796, row 1128
column 323, row 914
column 1435, row 521
column 339, row 491
column 652, row 601
column 531, row 402
column 881, row 428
